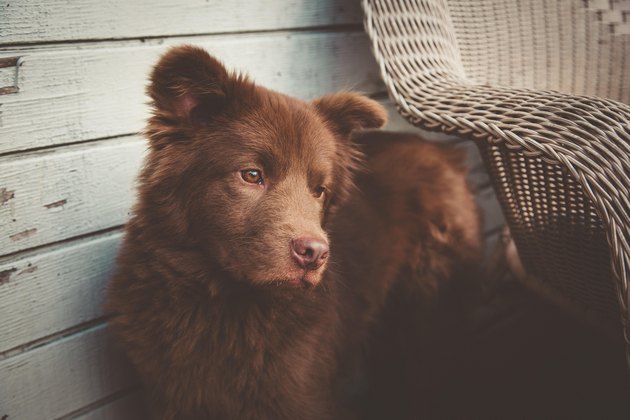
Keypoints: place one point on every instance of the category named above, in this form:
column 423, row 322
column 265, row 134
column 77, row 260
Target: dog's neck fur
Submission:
column 217, row 317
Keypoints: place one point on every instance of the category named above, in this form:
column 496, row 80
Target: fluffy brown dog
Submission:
column 252, row 272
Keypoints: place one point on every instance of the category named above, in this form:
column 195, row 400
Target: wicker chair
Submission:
column 542, row 87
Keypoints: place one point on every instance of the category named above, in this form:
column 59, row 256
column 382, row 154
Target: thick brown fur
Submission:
column 217, row 319
column 413, row 234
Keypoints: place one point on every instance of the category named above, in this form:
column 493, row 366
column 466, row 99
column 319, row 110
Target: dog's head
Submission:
column 247, row 174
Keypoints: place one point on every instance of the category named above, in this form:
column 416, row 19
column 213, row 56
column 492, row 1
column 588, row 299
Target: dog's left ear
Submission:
column 345, row 112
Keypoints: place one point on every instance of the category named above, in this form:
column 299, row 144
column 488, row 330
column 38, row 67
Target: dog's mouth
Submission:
column 307, row 279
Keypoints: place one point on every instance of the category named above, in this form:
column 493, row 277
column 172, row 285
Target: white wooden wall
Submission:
column 69, row 152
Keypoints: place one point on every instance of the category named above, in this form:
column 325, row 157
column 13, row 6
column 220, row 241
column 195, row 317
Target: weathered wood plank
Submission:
column 54, row 289
column 56, row 379
column 493, row 217
column 85, row 91
column 127, row 407
column 492, row 246
column 61, row 193
column 26, row 21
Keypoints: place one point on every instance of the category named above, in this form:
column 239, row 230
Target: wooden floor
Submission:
column 528, row 360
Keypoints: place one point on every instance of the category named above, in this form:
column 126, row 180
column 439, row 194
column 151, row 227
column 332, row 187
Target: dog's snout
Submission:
column 309, row 253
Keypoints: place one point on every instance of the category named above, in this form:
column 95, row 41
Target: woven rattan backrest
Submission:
column 560, row 163
column 567, row 45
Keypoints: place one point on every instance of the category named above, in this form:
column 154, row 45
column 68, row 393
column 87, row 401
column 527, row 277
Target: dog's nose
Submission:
column 309, row 253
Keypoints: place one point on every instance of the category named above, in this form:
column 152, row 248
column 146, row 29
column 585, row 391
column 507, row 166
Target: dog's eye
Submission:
column 253, row 176
column 320, row 191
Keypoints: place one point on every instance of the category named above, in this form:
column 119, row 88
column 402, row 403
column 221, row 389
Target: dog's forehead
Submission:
column 307, row 140
column 290, row 133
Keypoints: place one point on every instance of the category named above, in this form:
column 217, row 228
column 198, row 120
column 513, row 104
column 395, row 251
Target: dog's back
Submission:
column 410, row 246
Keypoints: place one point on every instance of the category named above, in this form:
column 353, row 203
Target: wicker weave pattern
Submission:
column 541, row 44
column 614, row 13
column 560, row 162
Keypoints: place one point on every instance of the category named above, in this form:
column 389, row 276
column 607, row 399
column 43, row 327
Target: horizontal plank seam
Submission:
column 26, row 152
column 348, row 27
column 100, row 403
column 17, row 255
column 53, row 338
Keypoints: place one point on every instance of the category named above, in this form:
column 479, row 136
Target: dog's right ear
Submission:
column 345, row 112
column 188, row 84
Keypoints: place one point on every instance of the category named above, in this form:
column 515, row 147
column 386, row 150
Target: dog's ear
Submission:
column 345, row 112
column 188, row 84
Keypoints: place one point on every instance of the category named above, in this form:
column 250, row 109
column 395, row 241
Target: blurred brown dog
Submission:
column 253, row 271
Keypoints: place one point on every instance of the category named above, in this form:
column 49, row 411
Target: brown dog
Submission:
column 252, row 272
